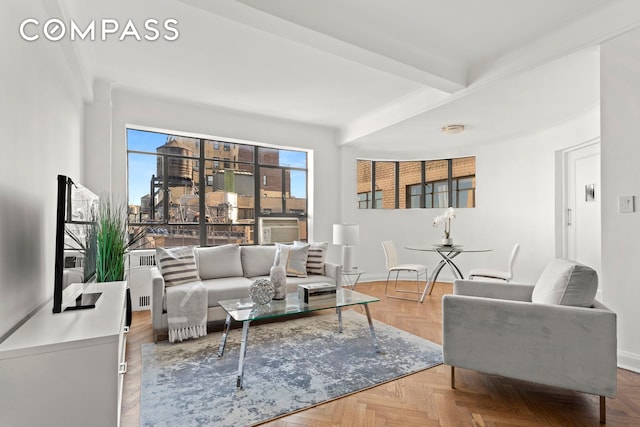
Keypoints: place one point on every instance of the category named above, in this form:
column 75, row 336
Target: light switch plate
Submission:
column 625, row 204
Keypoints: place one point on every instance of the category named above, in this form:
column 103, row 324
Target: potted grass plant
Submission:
column 104, row 241
column 111, row 235
column 112, row 243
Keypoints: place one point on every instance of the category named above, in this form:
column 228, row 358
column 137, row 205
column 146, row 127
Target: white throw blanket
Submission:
column 187, row 311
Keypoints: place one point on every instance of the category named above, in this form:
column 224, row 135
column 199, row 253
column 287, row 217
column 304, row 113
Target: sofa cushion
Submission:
column 293, row 258
column 219, row 261
column 226, row 288
column 316, row 256
column 177, row 265
column 257, row 260
column 565, row 282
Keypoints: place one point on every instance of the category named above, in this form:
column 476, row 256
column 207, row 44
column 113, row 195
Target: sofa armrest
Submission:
column 496, row 290
column 562, row 346
column 334, row 271
column 157, row 297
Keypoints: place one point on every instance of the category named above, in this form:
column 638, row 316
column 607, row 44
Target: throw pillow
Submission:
column 177, row 265
column 565, row 282
column 316, row 256
column 219, row 261
column 293, row 258
column 257, row 260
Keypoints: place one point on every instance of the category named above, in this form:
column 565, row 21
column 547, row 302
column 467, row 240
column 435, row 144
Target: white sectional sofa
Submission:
column 227, row 272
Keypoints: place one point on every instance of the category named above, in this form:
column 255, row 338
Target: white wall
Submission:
column 517, row 183
column 139, row 109
column 620, row 89
column 41, row 117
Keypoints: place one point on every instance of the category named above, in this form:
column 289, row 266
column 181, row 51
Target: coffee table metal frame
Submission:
column 351, row 278
column 243, row 310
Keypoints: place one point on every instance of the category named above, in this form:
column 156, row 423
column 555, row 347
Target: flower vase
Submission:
column 278, row 276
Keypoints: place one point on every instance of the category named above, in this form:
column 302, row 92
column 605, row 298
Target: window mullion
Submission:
column 423, row 185
column 450, row 182
column 282, row 188
column 256, row 192
column 202, row 205
column 373, row 184
column 397, row 185
column 165, row 190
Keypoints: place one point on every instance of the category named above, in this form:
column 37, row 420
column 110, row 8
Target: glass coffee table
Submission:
column 245, row 311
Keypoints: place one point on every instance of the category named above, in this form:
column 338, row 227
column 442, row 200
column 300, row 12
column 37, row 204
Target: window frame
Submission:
column 425, row 200
column 207, row 230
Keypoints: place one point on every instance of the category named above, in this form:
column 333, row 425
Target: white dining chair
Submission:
column 392, row 264
column 488, row 273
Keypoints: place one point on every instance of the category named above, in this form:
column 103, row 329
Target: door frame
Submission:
column 563, row 215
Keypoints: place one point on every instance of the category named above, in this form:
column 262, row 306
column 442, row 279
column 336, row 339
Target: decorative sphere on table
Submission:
column 261, row 291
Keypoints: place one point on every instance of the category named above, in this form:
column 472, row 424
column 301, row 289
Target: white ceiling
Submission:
column 378, row 71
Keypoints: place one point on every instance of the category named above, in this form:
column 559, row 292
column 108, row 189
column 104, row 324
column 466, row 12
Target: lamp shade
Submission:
column 346, row 234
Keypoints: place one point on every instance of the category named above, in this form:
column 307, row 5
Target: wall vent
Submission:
column 146, row 260
column 145, row 301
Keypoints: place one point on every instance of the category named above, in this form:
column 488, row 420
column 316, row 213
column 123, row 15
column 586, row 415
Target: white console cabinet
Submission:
column 66, row 369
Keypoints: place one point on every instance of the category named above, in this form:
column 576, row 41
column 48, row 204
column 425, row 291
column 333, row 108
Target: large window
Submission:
column 178, row 202
column 416, row 184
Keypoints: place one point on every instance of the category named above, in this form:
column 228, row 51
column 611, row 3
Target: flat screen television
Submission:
column 75, row 252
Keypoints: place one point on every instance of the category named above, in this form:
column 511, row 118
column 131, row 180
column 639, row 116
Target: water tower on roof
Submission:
column 179, row 169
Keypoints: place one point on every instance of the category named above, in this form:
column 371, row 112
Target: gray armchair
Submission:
column 553, row 333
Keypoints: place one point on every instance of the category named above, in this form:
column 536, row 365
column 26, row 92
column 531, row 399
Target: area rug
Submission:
column 289, row 366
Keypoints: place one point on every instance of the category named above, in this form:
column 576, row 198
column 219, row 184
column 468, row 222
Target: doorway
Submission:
column 582, row 225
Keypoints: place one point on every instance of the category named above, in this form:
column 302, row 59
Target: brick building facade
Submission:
column 410, row 174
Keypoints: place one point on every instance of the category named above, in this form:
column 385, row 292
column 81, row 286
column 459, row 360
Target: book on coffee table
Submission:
column 312, row 291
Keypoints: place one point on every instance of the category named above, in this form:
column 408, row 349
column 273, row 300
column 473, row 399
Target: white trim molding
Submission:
column 629, row 361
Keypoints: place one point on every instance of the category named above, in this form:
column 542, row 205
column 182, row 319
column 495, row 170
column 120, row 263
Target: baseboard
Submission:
column 629, row 361
column 372, row 278
column 383, row 278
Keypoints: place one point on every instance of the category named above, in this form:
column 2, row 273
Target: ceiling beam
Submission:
column 448, row 79
column 398, row 111
column 587, row 30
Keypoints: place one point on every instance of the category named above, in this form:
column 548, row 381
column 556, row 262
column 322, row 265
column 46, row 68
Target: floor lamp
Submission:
column 346, row 235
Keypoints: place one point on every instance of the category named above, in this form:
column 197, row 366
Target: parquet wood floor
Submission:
column 426, row 398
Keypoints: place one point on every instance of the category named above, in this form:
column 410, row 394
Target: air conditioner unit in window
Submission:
column 278, row 230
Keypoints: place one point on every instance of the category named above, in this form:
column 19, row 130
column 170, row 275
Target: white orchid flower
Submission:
column 450, row 213
column 445, row 219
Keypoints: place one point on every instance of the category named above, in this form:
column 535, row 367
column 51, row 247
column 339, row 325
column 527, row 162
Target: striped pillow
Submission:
column 177, row 265
column 316, row 256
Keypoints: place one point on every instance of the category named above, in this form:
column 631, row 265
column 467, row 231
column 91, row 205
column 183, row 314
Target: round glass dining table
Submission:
column 447, row 254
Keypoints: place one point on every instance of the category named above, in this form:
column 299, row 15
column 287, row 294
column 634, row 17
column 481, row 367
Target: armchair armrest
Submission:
column 157, row 297
column 563, row 346
column 334, row 271
column 496, row 290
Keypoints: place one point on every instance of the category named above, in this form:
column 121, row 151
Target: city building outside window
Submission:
column 177, row 202
column 416, row 184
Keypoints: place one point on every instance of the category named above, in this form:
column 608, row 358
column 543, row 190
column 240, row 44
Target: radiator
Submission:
column 139, row 265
